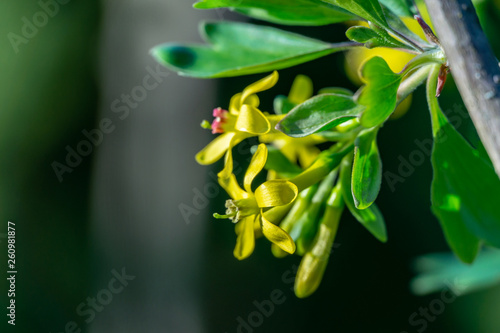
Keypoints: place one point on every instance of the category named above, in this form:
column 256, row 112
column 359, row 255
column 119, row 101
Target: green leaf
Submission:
column 370, row 218
column 385, row 39
column 465, row 188
column 370, row 10
column 438, row 269
column 373, row 38
column 380, row 93
column 398, row 7
column 287, row 12
column 361, row 34
column 319, row 113
column 240, row 49
column 367, row 169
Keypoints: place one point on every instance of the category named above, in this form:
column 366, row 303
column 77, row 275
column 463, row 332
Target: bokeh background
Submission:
column 87, row 67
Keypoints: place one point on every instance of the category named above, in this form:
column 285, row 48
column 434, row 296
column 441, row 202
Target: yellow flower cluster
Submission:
column 295, row 214
column 243, row 120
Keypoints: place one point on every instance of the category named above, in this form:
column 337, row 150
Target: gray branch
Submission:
column 473, row 65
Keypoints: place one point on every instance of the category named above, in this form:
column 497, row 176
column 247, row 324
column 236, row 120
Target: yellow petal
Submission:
column 289, row 150
column 277, row 235
column 307, row 155
column 302, row 89
column 235, row 103
column 277, row 192
column 268, row 138
column 257, row 229
column 230, row 185
column 215, row 149
column 245, row 243
column 261, row 85
column 272, row 174
column 238, row 228
column 228, row 165
column 228, row 161
column 256, row 165
column 251, row 120
column 355, row 60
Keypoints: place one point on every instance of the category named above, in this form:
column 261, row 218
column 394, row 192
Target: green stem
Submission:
column 433, row 56
column 325, row 188
column 412, row 82
column 435, row 110
column 300, row 206
column 326, row 162
column 304, row 229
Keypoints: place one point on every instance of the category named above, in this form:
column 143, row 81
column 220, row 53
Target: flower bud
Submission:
column 313, row 265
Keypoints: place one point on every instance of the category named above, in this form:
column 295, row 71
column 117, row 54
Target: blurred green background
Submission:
column 119, row 207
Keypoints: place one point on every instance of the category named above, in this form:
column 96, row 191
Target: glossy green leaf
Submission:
column 398, row 7
column 371, row 218
column 370, row 10
column 367, row 169
column 319, row 113
column 465, row 189
column 240, row 49
column 361, row 34
column 373, row 38
column 287, row 12
column 385, row 39
column 380, row 93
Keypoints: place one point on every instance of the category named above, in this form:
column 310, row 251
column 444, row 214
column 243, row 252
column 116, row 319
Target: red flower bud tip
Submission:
column 443, row 74
column 220, row 119
column 429, row 34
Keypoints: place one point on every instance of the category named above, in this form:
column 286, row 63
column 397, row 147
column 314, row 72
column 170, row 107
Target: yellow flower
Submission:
column 247, row 206
column 302, row 150
column 243, row 120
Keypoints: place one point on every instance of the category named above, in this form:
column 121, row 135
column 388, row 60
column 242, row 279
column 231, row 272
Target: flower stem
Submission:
column 326, row 162
column 412, row 82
